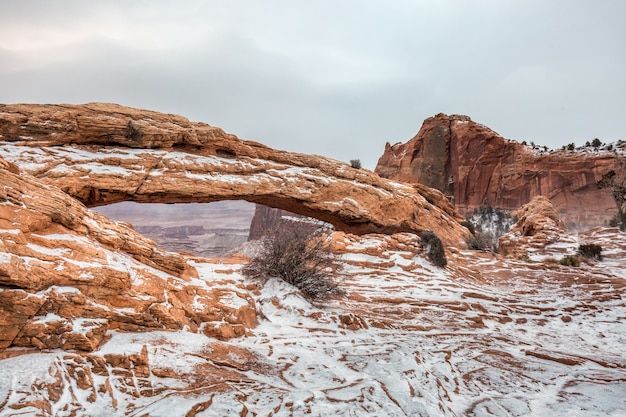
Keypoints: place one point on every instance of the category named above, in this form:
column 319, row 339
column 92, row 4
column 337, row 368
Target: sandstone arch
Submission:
column 105, row 153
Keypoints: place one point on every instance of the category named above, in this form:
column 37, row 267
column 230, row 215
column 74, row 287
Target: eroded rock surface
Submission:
column 538, row 226
column 487, row 336
column 477, row 167
column 68, row 275
column 104, row 153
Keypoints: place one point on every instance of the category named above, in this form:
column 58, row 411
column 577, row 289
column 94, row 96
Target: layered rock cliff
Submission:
column 477, row 167
column 105, row 153
column 264, row 218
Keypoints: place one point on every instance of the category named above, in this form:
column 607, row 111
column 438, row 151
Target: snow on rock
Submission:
column 69, row 275
column 97, row 320
column 486, row 336
column 119, row 154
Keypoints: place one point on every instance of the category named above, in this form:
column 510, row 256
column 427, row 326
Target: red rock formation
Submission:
column 264, row 218
column 477, row 167
column 103, row 153
column 68, row 275
column 538, row 226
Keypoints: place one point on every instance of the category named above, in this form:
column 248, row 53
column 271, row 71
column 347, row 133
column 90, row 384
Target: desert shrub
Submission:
column 596, row 143
column 132, row 132
column 469, row 225
column 591, row 251
column 571, row 146
column 355, row 163
column 298, row 253
column 434, row 248
column 481, row 241
column 550, row 260
column 570, row 260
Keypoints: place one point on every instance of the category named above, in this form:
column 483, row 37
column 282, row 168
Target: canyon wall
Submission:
column 475, row 166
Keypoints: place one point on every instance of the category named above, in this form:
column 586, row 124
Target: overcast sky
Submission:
column 337, row 78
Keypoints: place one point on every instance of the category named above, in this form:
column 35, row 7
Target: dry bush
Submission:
column 299, row 253
column 570, row 260
column 469, row 226
column 355, row 163
column 481, row 241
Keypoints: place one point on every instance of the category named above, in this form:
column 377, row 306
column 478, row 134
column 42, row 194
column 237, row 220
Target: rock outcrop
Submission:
column 68, row 275
column 104, row 153
column 477, row 167
column 264, row 219
column 538, row 226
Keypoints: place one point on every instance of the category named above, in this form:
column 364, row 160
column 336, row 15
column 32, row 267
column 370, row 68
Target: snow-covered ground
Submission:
column 484, row 337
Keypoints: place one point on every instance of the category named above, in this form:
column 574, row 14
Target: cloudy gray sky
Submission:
column 338, row 78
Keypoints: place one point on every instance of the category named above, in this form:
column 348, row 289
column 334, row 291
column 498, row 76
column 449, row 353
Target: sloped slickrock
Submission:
column 105, row 153
column 488, row 336
column 68, row 275
column 479, row 168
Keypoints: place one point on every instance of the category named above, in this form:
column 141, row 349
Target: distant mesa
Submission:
column 105, row 153
column 476, row 167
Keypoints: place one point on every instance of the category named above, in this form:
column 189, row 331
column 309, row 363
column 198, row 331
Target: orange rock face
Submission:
column 68, row 275
column 102, row 153
column 538, row 226
column 477, row 167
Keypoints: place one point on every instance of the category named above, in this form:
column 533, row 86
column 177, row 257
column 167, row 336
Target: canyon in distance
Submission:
column 125, row 233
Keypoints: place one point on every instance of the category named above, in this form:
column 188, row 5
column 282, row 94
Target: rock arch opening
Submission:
column 202, row 229
column 209, row 230
column 91, row 153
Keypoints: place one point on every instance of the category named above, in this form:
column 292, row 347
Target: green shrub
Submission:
column 570, row 260
column 355, row 163
column 591, row 251
column 298, row 253
column 434, row 248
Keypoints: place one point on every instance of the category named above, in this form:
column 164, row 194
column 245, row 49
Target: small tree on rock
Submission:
column 615, row 182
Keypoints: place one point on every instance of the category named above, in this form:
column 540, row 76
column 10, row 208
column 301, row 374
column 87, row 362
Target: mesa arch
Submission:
column 105, row 153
